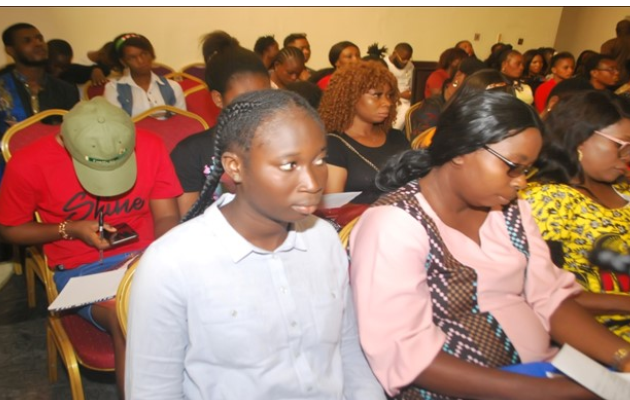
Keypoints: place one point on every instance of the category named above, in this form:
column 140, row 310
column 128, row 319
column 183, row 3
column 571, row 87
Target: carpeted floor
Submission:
column 23, row 357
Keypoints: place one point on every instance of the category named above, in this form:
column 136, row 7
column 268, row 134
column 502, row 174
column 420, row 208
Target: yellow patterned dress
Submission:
column 565, row 215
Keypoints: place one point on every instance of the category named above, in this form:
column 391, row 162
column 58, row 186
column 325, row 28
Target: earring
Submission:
column 455, row 84
column 580, row 155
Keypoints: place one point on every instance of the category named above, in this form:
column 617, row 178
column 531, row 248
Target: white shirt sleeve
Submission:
column 180, row 100
column 157, row 335
column 111, row 93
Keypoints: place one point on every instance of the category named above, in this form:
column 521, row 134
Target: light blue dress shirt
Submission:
column 214, row 317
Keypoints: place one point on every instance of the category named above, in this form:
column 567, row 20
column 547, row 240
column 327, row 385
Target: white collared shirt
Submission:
column 144, row 100
column 214, row 317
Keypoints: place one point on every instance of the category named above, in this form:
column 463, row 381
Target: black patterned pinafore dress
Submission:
column 471, row 335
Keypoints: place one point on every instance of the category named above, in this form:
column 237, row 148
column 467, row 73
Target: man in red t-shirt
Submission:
column 97, row 163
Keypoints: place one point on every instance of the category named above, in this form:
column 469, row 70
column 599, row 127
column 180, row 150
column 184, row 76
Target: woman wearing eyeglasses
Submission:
column 581, row 194
column 451, row 278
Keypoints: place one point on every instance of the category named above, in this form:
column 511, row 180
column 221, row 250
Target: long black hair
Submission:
column 225, row 59
column 573, row 120
column 236, row 127
column 470, row 121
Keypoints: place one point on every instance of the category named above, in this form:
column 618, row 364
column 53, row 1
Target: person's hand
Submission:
column 98, row 77
column 87, row 232
column 406, row 94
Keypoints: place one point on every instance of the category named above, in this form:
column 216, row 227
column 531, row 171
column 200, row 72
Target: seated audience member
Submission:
column 535, row 68
column 358, row 109
column 267, row 49
column 467, row 47
column 98, row 163
column 103, row 56
column 447, row 65
column 231, row 71
column 511, row 62
column 310, row 91
column 376, row 53
column 602, row 72
column 399, row 63
column 60, row 66
column 493, row 59
column 340, row 55
column 426, row 116
column 581, row 60
column 27, row 89
column 140, row 89
column 561, row 68
column 300, row 41
column 547, row 53
column 579, row 195
column 611, row 47
column 249, row 297
column 287, row 67
column 455, row 265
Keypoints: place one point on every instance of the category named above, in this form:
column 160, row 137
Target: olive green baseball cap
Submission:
column 101, row 138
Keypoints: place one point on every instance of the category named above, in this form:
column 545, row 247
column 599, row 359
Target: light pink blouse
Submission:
column 388, row 252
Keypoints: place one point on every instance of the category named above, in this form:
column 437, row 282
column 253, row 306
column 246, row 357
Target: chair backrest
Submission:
column 26, row 132
column 408, row 127
column 424, row 139
column 172, row 125
column 186, row 81
column 199, row 101
column 122, row 296
column 344, row 233
column 196, row 69
column 161, row 69
column 90, row 91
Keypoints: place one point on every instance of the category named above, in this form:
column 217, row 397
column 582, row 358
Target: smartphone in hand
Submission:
column 124, row 234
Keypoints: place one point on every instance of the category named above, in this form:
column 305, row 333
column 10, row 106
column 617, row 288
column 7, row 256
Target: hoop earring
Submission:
column 580, row 155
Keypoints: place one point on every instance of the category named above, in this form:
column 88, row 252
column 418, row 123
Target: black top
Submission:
column 360, row 174
column 192, row 158
column 54, row 93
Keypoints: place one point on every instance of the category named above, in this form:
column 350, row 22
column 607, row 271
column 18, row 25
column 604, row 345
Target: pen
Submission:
column 100, row 232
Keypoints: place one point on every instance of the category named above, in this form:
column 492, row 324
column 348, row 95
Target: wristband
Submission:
column 62, row 231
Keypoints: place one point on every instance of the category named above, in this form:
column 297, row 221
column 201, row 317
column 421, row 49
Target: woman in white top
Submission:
column 139, row 89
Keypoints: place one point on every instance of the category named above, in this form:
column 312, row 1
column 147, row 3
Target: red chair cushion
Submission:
column 200, row 103
column 93, row 91
column 173, row 129
column 30, row 134
column 93, row 346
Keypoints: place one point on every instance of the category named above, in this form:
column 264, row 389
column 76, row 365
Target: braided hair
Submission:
column 236, row 127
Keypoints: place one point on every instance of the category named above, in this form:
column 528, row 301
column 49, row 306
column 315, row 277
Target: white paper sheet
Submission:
column 83, row 290
column 335, row 200
column 592, row 375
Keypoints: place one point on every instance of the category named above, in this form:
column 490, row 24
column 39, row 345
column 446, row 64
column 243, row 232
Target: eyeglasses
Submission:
column 515, row 170
column 623, row 152
column 611, row 70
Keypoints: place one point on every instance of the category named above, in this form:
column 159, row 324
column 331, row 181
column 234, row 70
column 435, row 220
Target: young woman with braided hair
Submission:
column 249, row 297
column 287, row 67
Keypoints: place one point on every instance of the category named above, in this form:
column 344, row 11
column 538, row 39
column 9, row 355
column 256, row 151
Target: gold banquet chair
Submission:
column 15, row 138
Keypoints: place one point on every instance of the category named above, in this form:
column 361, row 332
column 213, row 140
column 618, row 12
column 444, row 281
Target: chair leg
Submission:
column 30, row 286
column 18, row 259
column 63, row 346
column 52, row 355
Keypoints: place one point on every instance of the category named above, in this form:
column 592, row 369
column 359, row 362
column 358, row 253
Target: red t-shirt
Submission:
column 435, row 81
column 41, row 178
column 542, row 94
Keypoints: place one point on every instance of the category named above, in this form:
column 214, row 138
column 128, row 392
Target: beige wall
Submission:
column 175, row 32
column 583, row 28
